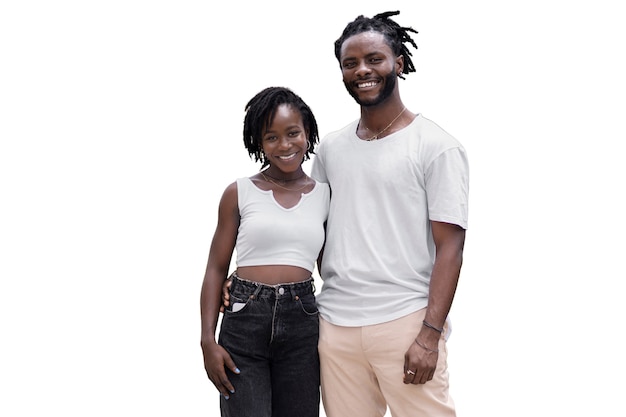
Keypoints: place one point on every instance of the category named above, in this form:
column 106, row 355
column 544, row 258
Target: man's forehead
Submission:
column 368, row 42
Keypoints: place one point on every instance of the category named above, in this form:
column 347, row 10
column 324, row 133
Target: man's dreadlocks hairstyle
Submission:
column 260, row 112
column 395, row 35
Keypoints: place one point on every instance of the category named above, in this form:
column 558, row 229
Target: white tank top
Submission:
column 270, row 234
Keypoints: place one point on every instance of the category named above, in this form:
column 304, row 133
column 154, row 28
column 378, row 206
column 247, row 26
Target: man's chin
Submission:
column 372, row 102
column 363, row 102
column 369, row 103
column 356, row 97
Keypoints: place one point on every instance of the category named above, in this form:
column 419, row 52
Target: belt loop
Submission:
column 233, row 278
column 298, row 290
column 293, row 291
column 256, row 291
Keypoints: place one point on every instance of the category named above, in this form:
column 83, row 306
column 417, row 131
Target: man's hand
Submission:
column 420, row 362
column 225, row 295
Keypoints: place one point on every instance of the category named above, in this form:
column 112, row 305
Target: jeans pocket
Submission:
column 237, row 304
column 308, row 305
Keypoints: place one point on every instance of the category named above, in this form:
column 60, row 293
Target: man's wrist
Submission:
column 432, row 327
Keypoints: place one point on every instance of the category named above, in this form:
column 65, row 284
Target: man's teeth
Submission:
column 369, row 84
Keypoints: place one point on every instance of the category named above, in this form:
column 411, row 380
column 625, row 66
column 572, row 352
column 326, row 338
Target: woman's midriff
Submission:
column 273, row 274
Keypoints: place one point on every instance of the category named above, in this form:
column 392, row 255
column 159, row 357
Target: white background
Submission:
column 121, row 125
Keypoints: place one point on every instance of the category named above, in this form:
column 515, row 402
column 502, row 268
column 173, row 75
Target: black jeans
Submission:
column 271, row 332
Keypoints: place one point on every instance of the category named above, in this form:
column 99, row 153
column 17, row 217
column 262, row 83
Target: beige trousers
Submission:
column 362, row 371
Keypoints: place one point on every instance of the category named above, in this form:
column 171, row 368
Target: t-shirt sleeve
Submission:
column 447, row 187
column 318, row 171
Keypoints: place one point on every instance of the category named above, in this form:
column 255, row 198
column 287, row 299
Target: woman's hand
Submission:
column 216, row 360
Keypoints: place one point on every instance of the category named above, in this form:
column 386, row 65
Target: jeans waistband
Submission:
column 259, row 289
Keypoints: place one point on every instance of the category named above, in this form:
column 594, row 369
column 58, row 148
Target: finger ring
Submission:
column 410, row 372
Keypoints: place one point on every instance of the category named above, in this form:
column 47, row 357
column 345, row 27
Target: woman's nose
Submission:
column 284, row 142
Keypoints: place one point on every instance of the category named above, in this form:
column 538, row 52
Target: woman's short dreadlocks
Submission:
column 395, row 35
column 260, row 112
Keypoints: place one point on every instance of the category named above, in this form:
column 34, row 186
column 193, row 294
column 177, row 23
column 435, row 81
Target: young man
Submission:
column 395, row 237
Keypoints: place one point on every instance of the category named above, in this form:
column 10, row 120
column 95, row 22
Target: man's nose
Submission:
column 362, row 69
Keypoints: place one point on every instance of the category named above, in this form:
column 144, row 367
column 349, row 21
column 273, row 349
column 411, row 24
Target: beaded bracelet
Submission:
column 430, row 326
column 425, row 348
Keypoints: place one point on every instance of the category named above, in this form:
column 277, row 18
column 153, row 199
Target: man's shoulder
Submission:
column 431, row 132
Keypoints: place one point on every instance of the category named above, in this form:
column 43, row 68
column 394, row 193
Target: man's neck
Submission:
column 379, row 121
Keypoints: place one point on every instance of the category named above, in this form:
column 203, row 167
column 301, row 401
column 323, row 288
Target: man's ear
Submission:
column 399, row 65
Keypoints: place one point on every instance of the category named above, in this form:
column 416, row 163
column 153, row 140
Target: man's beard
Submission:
column 390, row 81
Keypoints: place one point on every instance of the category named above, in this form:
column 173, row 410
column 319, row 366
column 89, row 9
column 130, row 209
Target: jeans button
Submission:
column 281, row 291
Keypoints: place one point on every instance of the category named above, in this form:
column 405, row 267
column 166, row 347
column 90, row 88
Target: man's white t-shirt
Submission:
column 379, row 250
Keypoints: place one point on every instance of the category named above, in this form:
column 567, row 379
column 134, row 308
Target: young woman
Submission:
column 265, row 362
